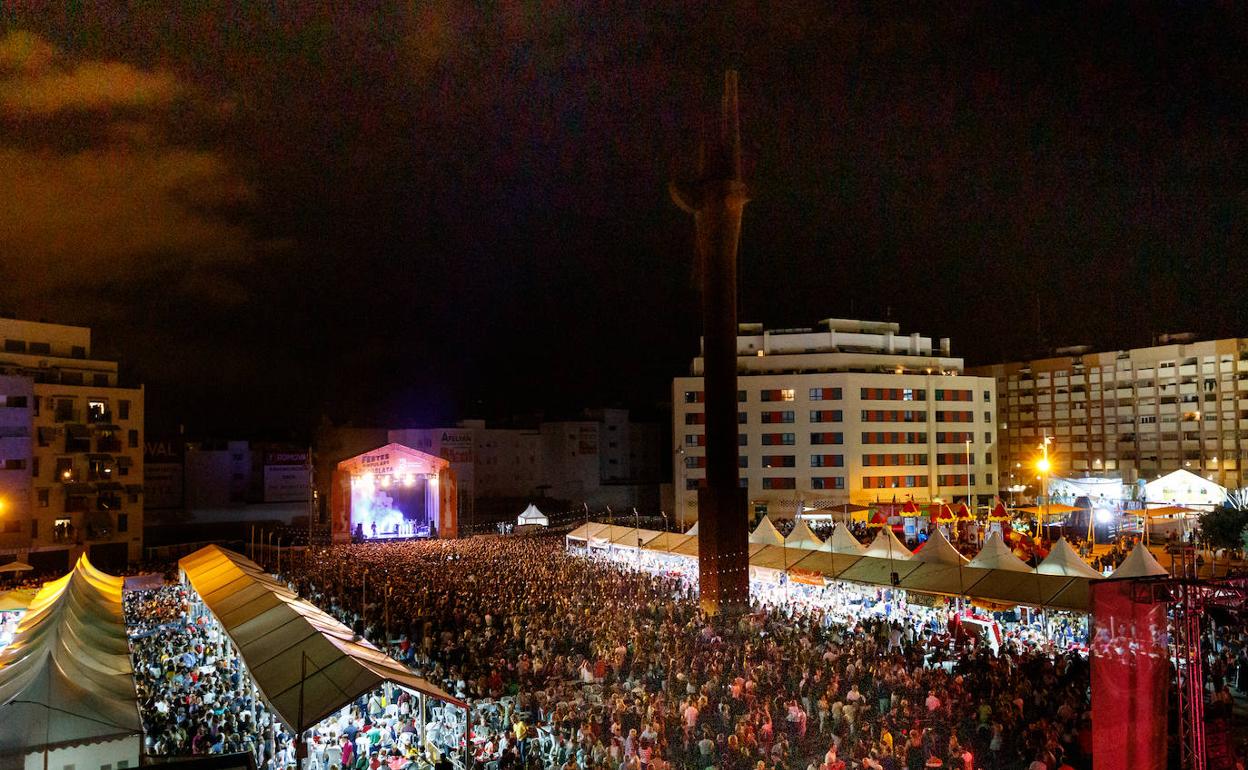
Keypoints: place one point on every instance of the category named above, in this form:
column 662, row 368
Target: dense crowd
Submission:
column 194, row 695
column 585, row 664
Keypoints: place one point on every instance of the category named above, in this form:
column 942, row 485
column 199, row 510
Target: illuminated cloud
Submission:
column 124, row 203
column 37, row 79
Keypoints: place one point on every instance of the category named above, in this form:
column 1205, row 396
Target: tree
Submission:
column 1223, row 527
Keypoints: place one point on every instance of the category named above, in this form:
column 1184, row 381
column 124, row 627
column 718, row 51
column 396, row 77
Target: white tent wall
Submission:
column 120, row 753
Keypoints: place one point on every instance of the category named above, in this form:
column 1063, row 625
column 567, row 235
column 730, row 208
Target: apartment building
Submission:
column 850, row 411
column 1131, row 414
column 71, row 450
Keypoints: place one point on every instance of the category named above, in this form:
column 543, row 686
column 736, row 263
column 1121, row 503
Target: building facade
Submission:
column 1130, row 414
column 850, row 412
column 71, row 449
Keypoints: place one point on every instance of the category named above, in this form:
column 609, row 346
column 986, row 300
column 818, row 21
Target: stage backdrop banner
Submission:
column 1130, row 678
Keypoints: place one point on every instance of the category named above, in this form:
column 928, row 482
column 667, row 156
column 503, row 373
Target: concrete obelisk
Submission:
column 716, row 199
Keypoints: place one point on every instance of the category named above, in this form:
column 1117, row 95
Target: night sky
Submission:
column 433, row 210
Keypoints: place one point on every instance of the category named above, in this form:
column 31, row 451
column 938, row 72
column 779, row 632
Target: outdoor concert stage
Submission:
column 393, row 492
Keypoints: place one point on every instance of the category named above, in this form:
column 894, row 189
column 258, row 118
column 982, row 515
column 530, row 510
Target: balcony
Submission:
column 99, row 417
column 108, row 444
column 67, row 414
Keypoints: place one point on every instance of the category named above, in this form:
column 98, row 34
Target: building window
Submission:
column 695, row 396
column 42, row 496
column 893, row 415
column 827, row 482
column 123, row 409
column 13, row 402
column 892, row 394
column 948, row 416
column 123, row 522
column 695, row 462
column 825, row 415
column 988, row 396
column 770, row 482
column 987, row 416
column 743, row 461
column 695, row 439
column 787, row 394
column 894, row 438
column 695, row 418
column 13, row 464
column 827, row 438
column 741, row 396
column 743, row 439
column 779, row 461
column 742, row 418
column 692, row 484
column 34, row 529
column 825, row 394
column 779, row 439
column 827, row 461
column 777, row 417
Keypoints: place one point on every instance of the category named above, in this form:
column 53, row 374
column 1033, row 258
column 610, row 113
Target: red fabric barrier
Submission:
column 1130, row 679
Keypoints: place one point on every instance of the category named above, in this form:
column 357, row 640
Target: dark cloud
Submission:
column 414, row 210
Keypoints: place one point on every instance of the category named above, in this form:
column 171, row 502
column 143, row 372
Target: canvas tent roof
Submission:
column 693, row 531
column 938, row 550
column 766, row 533
column 586, row 531
column 66, row 678
column 532, row 515
column 803, row 537
column 887, row 546
column 843, row 541
column 1062, row 560
column 279, row 637
column 1139, row 563
column 667, row 541
column 995, row 554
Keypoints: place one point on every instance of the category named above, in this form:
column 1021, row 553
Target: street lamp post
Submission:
column 969, row 505
column 1044, row 466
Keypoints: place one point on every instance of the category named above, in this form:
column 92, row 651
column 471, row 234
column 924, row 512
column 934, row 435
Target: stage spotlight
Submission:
column 410, row 480
column 1104, row 516
column 385, row 482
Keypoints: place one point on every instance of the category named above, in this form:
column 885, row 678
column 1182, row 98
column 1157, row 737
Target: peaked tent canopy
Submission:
column 1063, row 560
column 999, row 513
column 997, row 555
column 1182, row 487
column 305, row 663
column 887, row 546
column 938, row 550
column 532, row 515
column 910, row 510
column 693, row 531
column 66, row 679
column 843, row 541
column 766, row 533
column 1139, row 563
column 803, row 537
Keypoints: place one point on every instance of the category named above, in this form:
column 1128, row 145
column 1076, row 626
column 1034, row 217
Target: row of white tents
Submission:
column 994, row 576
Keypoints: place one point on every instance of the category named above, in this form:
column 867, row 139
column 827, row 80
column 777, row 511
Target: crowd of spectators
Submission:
column 585, row 663
column 194, row 696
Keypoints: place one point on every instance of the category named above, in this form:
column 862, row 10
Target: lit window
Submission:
column 786, row 394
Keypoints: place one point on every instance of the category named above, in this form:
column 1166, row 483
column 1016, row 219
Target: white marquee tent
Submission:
column 766, row 533
column 66, row 684
column 803, row 537
column 532, row 516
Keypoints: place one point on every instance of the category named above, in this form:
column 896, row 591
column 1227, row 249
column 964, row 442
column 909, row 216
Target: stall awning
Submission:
column 305, row 663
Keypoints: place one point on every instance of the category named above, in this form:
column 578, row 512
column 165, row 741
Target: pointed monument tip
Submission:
column 730, row 124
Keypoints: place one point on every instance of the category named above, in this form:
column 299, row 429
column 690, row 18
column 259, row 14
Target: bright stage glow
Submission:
column 389, row 509
column 1043, row 465
column 1104, row 515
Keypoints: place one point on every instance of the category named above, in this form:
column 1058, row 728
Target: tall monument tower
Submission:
column 716, row 199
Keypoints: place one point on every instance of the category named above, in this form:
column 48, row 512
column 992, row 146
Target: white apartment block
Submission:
column 1129, row 414
column 71, row 450
column 852, row 411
